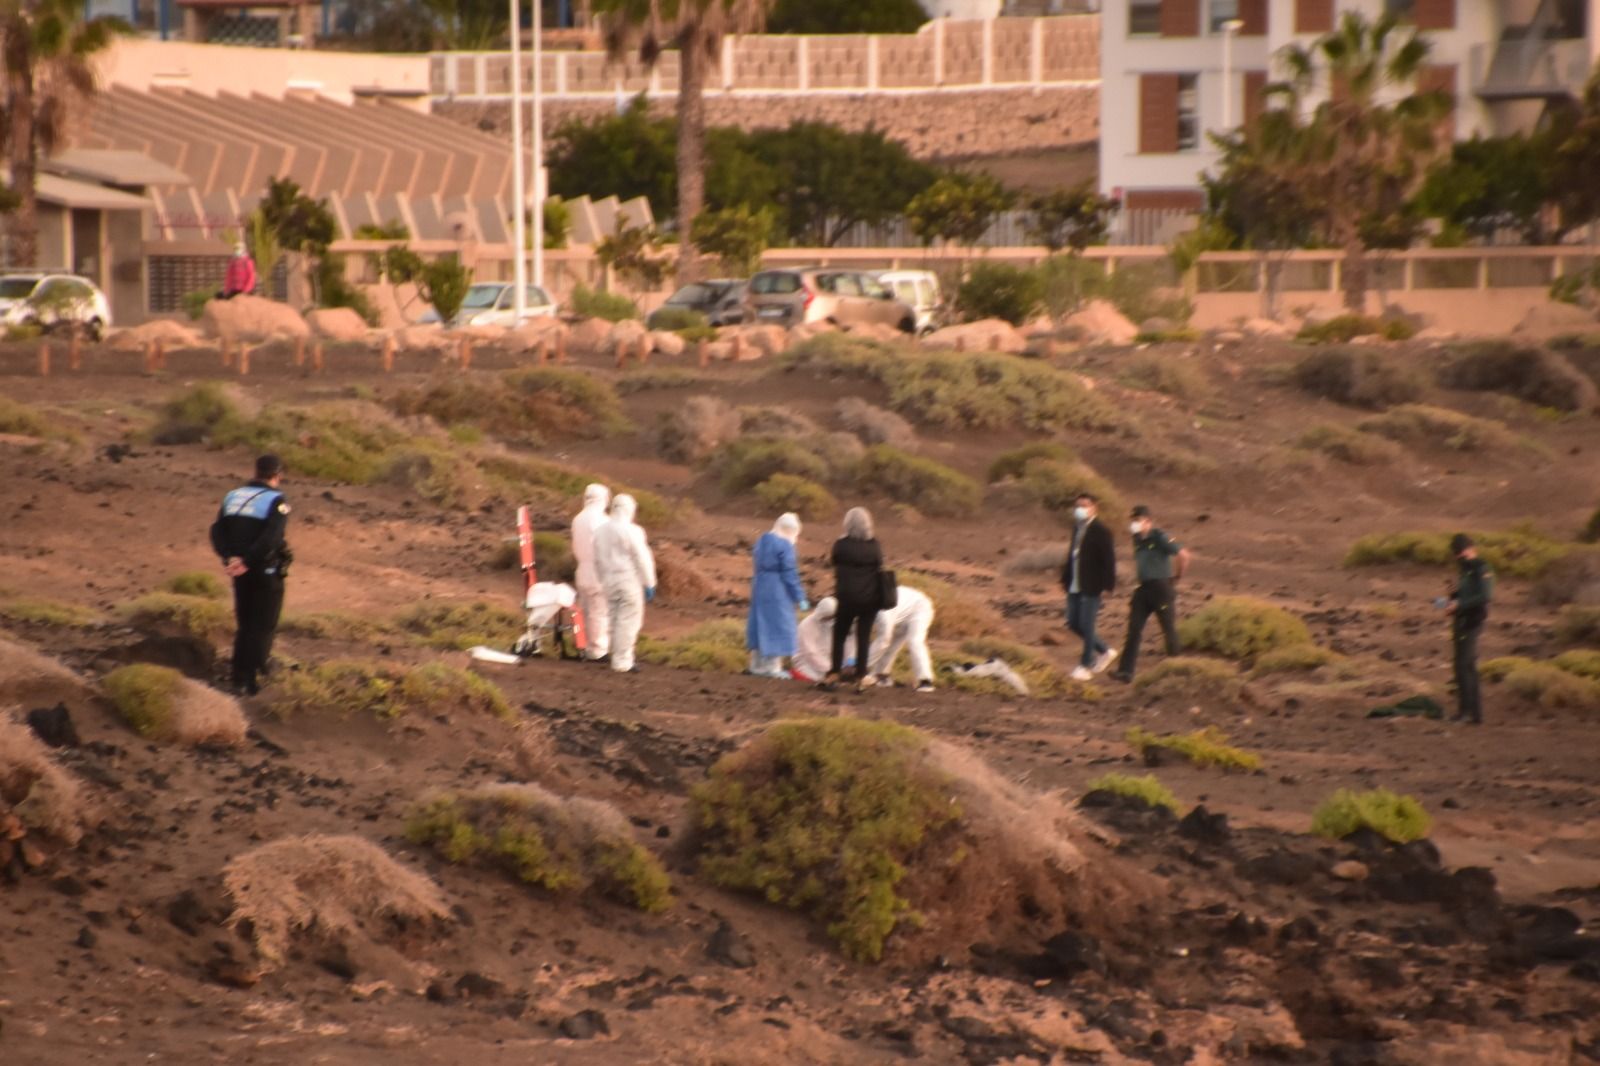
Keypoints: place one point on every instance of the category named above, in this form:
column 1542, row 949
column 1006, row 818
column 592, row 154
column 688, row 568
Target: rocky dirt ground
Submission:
column 1251, row 941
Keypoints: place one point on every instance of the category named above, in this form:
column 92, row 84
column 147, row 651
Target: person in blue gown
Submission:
column 775, row 593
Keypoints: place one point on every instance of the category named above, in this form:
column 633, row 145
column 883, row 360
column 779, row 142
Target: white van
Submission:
column 919, row 290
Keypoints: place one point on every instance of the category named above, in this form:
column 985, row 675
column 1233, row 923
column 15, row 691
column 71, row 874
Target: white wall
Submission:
column 137, row 63
column 962, row 9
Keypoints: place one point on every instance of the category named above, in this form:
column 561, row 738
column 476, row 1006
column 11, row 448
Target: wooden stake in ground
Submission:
column 541, row 352
column 244, row 362
column 316, row 358
column 149, row 357
column 561, row 347
column 702, row 353
column 738, row 347
column 44, row 359
column 227, row 353
column 388, row 354
column 299, row 352
column 646, row 346
column 466, row 353
column 160, row 356
column 75, row 352
column 622, row 354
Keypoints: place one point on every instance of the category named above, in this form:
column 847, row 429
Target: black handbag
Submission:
column 888, row 590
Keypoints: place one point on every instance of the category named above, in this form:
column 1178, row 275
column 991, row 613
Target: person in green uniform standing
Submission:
column 1468, row 608
column 1159, row 562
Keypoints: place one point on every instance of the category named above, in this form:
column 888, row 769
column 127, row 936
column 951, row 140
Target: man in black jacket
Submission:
column 1469, row 609
column 249, row 536
column 1090, row 573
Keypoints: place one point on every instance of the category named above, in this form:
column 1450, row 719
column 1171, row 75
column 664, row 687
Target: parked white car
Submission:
column 53, row 302
column 918, row 290
column 492, row 303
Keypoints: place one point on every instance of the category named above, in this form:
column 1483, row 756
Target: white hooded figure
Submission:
column 591, row 596
column 627, row 572
column 814, row 641
column 904, row 625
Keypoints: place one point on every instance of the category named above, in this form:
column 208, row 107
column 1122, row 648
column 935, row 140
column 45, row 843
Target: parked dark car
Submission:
column 720, row 300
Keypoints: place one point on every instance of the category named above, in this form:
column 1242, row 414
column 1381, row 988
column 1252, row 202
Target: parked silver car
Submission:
column 53, row 302
column 811, row 295
column 919, row 289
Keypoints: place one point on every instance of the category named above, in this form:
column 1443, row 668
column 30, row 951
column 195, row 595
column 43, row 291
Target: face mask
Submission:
column 1081, row 514
column 1138, row 529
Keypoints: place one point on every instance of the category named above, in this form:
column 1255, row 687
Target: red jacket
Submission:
column 241, row 276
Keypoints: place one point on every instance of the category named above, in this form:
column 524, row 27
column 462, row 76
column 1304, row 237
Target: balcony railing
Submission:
column 1528, row 68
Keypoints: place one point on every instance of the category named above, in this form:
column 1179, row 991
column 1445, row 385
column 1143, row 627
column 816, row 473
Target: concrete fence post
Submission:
column 480, row 74
column 938, row 51
column 728, row 59
column 1483, row 273
column 988, row 52
column 873, row 76
column 1036, row 66
column 562, row 73
column 802, row 51
column 452, row 75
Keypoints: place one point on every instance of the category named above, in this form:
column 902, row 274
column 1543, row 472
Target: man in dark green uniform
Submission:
column 1159, row 562
column 1468, row 610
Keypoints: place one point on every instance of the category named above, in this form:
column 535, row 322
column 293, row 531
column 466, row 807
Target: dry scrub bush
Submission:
column 1294, row 659
column 744, row 463
column 678, row 579
column 1519, row 553
column 195, row 583
column 1571, row 578
column 28, row 677
column 457, row 625
column 1203, row 747
column 1584, row 662
column 1037, row 561
column 194, row 616
column 1191, row 677
column 695, row 429
column 658, row 378
column 1561, row 684
column 873, row 424
column 1044, row 680
column 1357, row 378
column 30, row 611
column 884, row 834
column 717, row 646
column 335, row 625
column 930, row 487
column 36, row 794
column 1342, row 329
column 1052, row 477
column 1540, row 377
column 436, row 473
column 535, row 405
column 775, row 422
column 1347, row 445
column 332, row 888
column 1436, row 427
column 956, row 616
column 1238, row 627
column 960, row 391
column 1400, row 819
column 162, row 704
column 351, row 686
column 22, row 420
column 1578, row 625
column 564, row 845
column 806, row 498
column 1145, row 789
column 1169, row 375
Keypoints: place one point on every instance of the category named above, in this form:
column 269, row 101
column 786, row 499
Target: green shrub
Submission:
column 744, row 463
column 1294, row 659
column 194, row 302
column 1166, row 374
column 1419, row 424
column 1044, row 680
column 29, row 611
column 806, row 498
column 824, row 816
column 437, row 474
column 673, row 319
column 1540, row 377
column 1582, row 662
column 335, row 625
column 565, row 846
column 342, row 441
column 996, row 290
column 459, row 625
column 1347, row 445
column 386, row 690
column 1578, row 625
column 193, row 415
column 1146, row 789
column 196, row 583
column 1357, row 378
column 22, row 420
column 611, row 306
column 1204, row 748
column 1590, row 534
column 1191, row 676
column 1057, row 486
column 1401, row 819
column 1015, row 463
column 716, row 647
column 1183, row 335
column 1238, row 627
column 932, row 488
column 196, row 616
column 1519, row 553
column 653, row 379
column 532, row 405
column 961, row 391
column 956, row 616
column 146, row 696
column 1549, row 684
column 1340, row 329
column 552, row 556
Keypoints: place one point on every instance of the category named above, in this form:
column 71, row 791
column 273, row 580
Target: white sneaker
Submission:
column 1102, row 663
column 1082, row 673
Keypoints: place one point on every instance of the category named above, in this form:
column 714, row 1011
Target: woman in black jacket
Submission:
column 858, row 586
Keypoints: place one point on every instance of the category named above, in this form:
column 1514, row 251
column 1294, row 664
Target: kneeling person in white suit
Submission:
column 904, row 625
column 627, row 572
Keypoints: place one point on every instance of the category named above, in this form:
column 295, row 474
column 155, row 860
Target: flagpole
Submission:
column 519, row 185
column 538, row 143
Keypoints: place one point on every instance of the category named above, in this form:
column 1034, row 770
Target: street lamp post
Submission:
column 1229, row 30
column 538, row 143
column 519, row 187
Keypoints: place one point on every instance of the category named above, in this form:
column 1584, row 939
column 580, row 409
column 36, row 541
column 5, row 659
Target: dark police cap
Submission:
column 1141, row 511
column 1460, row 543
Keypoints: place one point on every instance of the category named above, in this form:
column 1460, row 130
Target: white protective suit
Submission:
column 627, row 572
column 904, row 625
column 814, row 641
column 591, row 596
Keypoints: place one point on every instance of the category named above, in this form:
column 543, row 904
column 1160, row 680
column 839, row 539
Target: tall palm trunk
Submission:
column 22, row 238
column 691, row 143
column 1353, row 275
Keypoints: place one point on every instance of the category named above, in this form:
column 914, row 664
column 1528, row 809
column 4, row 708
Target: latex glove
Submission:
column 650, row 594
column 805, row 604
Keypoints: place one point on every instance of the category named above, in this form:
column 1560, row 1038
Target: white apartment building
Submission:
column 1175, row 70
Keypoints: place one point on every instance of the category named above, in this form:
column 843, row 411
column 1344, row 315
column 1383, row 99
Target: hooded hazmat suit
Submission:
column 775, row 592
column 591, row 596
column 814, row 641
column 904, row 625
column 627, row 572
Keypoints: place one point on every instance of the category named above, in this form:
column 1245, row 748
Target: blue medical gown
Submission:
column 774, row 593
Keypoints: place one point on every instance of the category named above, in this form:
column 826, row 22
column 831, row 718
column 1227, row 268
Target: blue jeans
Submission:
column 1082, row 611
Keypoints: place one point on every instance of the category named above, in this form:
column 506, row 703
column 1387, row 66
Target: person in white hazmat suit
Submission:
column 813, row 642
column 905, row 625
column 627, row 572
column 591, row 596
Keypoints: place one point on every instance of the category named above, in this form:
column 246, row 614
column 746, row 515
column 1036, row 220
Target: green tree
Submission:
column 1575, row 160
column 1070, row 219
column 1491, row 183
column 624, row 155
column 557, row 223
column 695, row 28
column 1359, row 155
column 829, row 180
column 958, row 207
column 470, row 25
column 299, row 222
column 846, row 16
column 444, row 283
column 264, row 249
column 47, row 51
column 635, row 253
column 735, row 236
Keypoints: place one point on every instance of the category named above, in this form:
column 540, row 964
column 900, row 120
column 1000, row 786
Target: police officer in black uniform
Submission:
column 1468, row 608
column 249, row 536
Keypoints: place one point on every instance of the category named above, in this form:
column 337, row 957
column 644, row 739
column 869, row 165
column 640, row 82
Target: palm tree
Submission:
column 1362, row 152
column 48, row 50
column 696, row 29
